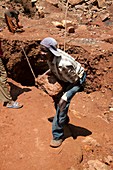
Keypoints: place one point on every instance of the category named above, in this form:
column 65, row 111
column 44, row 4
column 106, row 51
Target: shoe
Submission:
column 56, row 143
column 14, row 105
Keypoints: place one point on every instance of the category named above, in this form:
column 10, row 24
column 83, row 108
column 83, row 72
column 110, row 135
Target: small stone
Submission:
column 71, row 29
column 58, row 24
column 111, row 109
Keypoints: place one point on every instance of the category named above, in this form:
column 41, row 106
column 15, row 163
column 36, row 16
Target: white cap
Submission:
column 51, row 44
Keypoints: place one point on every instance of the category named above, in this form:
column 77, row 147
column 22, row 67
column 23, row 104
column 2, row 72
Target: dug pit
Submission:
column 98, row 66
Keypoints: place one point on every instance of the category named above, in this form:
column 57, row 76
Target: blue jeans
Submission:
column 60, row 117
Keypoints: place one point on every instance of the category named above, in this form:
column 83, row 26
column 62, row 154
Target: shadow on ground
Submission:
column 75, row 131
column 71, row 130
column 16, row 91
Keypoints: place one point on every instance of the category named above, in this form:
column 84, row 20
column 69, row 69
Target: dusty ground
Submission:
column 26, row 133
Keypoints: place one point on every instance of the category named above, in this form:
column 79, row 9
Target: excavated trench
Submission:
column 98, row 67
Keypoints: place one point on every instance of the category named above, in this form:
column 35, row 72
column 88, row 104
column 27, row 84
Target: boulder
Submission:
column 49, row 84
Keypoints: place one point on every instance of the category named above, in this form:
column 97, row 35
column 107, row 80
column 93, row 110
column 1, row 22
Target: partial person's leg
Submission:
column 10, row 24
column 60, row 118
column 61, row 114
column 5, row 96
column 4, row 91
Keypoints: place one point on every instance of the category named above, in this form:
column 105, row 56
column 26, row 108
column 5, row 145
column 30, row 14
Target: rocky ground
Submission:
column 26, row 133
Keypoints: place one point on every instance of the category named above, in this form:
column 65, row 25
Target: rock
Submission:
column 98, row 72
column 75, row 2
column 50, row 84
column 101, row 3
column 67, row 22
column 91, row 141
column 58, row 24
column 104, row 16
column 53, row 2
column 41, row 13
column 111, row 109
column 108, row 160
column 97, row 165
column 71, row 29
column 81, row 28
column 91, row 1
